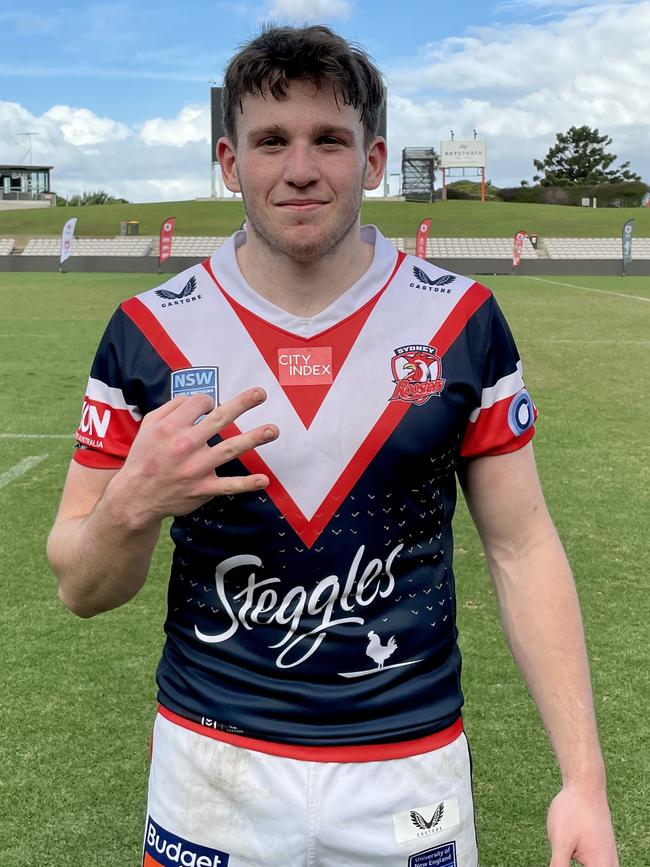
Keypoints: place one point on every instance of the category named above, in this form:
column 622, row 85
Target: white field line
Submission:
column 23, row 436
column 590, row 289
column 20, row 469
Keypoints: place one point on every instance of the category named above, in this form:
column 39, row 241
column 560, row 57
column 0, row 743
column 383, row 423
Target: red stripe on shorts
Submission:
column 341, row 754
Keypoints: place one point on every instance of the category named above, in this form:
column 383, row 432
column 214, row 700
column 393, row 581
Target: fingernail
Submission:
column 258, row 396
column 269, row 433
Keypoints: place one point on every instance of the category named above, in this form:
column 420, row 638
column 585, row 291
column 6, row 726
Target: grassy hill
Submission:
column 396, row 219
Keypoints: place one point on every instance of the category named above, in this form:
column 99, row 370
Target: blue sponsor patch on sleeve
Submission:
column 196, row 380
column 521, row 413
column 441, row 856
column 164, row 849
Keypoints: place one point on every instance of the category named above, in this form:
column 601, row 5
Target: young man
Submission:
column 301, row 403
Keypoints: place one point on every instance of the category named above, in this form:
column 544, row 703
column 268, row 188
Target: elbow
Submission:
column 76, row 605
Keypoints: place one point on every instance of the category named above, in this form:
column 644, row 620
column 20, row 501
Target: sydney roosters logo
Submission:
column 417, row 374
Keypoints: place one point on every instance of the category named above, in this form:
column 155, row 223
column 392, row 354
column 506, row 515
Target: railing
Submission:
column 16, row 196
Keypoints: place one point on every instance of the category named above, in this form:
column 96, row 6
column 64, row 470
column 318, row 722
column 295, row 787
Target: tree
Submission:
column 579, row 157
column 100, row 197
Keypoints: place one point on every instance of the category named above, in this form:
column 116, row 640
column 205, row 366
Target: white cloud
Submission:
column 520, row 85
column 192, row 123
column 307, row 10
column 81, row 127
column 517, row 85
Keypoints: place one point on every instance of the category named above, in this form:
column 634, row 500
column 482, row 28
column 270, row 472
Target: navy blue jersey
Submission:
column 320, row 611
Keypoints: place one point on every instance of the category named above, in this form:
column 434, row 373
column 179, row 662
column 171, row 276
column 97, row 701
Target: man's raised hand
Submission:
column 170, row 469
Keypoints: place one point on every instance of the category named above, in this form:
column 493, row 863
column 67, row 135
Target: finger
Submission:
column 235, row 446
column 225, row 414
column 229, row 485
column 187, row 408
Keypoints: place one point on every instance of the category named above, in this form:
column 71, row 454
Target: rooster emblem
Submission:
column 378, row 652
column 416, row 373
column 188, row 289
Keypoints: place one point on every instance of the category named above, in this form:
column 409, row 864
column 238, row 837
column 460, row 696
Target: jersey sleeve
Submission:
column 504, row 419
column 110, row 415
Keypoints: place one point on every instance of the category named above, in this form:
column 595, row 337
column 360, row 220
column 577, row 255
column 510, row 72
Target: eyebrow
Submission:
column 276, row 129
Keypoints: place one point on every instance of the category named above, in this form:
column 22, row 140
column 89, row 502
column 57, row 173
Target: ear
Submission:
column 227, row 159
column 375, row 164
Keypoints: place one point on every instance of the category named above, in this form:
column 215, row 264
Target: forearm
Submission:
column 541, row 619
column 101, row 559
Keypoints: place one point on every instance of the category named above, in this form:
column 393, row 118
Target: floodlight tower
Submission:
column 28, row 153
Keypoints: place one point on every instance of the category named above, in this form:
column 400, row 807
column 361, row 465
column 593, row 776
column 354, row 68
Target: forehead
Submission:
column 306, row 104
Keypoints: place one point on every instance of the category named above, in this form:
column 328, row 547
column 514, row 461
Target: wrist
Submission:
column 125, row 508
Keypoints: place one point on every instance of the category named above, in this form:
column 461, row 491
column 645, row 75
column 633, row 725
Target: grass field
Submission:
column 396, row 219
column 78, row 696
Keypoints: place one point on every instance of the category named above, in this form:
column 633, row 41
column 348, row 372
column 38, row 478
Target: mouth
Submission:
column 301, row 206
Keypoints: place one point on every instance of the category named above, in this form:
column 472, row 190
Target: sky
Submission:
column 116, row 94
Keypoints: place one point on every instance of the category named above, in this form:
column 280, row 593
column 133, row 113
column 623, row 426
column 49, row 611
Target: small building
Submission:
column 25, row 187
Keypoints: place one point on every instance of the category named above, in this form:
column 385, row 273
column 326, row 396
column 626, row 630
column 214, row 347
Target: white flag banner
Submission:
column 67, row 237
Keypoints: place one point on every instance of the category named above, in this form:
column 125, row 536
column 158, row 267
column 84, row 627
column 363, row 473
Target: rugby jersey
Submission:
column 320, row 611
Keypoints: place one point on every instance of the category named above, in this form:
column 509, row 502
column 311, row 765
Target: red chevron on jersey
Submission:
column 339, row 339
column 339, row 444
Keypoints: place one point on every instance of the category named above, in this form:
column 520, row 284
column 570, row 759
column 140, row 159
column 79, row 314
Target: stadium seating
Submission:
column 594, row 248
column 90, row 247
column 195, row 245
column 476, row 248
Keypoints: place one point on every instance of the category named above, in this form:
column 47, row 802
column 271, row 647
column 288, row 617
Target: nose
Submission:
column 301, row 168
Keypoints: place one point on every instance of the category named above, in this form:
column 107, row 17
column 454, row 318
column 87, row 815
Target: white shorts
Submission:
column 213, row 804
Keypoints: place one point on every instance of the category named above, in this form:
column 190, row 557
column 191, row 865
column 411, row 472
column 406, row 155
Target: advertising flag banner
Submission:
column 67, row 236
column 166, row 236
column 628, row 229
column 517, row 247
column 421, row 239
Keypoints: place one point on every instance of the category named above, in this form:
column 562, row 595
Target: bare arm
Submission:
column 541, row 619
column 109, row 521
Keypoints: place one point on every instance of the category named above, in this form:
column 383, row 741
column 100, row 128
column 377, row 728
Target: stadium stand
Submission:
column 594, row 248
column 476, row 248
column 6, row 246
column 90, row 247
column 194, row 245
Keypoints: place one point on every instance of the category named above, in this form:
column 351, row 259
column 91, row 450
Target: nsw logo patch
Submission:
column 196, row 380
column 164, row 849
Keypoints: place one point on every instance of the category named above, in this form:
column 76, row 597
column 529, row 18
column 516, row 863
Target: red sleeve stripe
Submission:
column 147, row 323
column 504, row 387
column 491, row 433
column 100, row 392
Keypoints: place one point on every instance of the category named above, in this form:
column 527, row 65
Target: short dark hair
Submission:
column 281, row 55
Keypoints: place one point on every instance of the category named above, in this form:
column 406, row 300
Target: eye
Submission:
column 271, row 141
column 329, row 140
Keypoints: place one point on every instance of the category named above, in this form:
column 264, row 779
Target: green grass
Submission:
column 396, row 219
column 78, row 696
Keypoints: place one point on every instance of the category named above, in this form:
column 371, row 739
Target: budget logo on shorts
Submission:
column 164, row 849
column 196, row 380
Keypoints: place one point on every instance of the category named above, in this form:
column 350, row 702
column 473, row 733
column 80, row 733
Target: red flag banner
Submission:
column 421, row 239
column 166, row 236
column 517, row 247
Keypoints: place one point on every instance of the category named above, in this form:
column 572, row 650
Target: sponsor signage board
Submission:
column 463, row 154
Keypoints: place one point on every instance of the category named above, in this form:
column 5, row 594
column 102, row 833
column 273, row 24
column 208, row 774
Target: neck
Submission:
column 303, row 287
